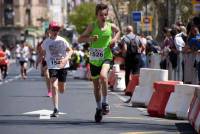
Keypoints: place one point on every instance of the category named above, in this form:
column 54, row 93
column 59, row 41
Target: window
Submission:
column 8, row 16
column 10, row 2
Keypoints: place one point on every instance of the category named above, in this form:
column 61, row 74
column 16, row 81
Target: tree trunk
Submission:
column 114, row 5
column 161, row 20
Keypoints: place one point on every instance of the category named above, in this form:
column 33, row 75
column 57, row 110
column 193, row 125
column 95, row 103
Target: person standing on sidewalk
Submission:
column 101, row 35
column 57, row 53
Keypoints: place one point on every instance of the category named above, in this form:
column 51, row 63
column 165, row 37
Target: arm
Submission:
column 41, row 54
column 85, row 37
column 70, row 52
column 124, row 46
column 116, row 34
column 66, row 59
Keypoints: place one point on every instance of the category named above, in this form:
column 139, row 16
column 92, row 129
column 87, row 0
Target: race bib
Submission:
column 96, row 53
column 55, row 61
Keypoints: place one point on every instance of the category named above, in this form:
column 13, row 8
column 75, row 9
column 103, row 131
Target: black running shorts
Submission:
column 96, row 70
column 61, row 74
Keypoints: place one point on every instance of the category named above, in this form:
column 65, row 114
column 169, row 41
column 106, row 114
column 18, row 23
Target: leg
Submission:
column 54, row 83
column 127, row 74
column 22, row 69
column 61, row 87
column 47, row 80
column 55, row 98
column 62, row 74
column 104, row 79
column 95, row 71
column 97, row 93
column 25, row 69
column 104, row 85
column 4, row 71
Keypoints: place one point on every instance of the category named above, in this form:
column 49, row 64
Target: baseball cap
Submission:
column 54, row 25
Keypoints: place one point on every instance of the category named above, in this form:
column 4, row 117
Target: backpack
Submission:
column 132, row 47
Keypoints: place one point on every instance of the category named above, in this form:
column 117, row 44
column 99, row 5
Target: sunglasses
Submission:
column 54, row 30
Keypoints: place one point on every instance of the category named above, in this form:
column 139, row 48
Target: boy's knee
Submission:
column 103, row 78
column 61, row 91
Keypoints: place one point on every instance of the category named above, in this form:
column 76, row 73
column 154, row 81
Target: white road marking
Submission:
column 43, row 114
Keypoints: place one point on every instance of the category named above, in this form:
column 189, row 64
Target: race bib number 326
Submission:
column 96, row 53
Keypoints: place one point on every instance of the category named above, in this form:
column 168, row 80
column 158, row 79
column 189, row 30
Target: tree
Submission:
column 164, row 12
column 82, row 16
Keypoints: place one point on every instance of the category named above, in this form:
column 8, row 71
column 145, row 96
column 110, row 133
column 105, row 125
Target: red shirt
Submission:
column 3, row 59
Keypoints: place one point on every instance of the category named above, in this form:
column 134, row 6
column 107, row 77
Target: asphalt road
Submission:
column 25, row 109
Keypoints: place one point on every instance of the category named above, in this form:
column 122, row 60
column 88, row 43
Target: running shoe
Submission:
column 105, row 108
column 55, row 113
column 98, row 115
column 49, row 94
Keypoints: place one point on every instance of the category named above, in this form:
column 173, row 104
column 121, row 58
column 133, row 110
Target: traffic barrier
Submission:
column 142, row 93
column 116, row 68
column 194, row 108
column 140, row 96
column 197, row 121
column 182, row 109
column 112, row 76
column 132, row 84
column 179, row 101
column 119, row 81
column 149, row 75
column 160, row 97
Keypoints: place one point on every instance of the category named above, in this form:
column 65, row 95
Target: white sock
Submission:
column 104, row 99
column 99, row 106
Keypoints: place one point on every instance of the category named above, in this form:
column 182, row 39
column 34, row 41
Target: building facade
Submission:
column 28, row 19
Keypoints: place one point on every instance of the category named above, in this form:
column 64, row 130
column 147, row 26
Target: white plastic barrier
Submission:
column 183, row 108
column 141, row 96
column 143, row 92
column 197, row 123
column 149, row 75
column 179, row 101
column 194, row 109
column 119, row 81
column 197, row 120
column 116, row 68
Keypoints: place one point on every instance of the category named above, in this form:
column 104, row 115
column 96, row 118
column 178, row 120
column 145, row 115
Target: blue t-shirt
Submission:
column 195, row 42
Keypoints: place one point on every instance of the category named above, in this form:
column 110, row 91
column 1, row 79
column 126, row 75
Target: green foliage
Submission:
column 82, row 16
